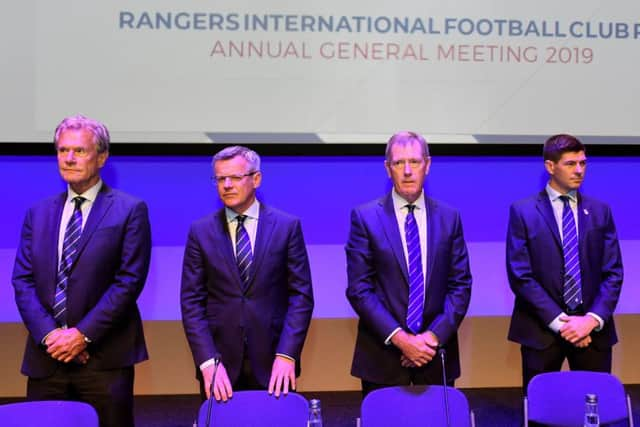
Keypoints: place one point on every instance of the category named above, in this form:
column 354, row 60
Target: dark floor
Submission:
column 495, row 407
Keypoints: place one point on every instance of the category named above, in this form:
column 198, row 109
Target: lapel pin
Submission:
column 586, row 212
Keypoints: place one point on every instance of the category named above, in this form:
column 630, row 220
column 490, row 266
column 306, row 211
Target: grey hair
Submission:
column 405, row 138
column 79, row 122
column 238, row 150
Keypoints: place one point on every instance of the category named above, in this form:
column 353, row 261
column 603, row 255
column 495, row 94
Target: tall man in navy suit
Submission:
column 81, row 264
column 246, row 286
column 566, row 278
column 409, row 278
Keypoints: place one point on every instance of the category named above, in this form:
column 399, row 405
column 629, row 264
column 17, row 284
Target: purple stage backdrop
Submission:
column 321, row 191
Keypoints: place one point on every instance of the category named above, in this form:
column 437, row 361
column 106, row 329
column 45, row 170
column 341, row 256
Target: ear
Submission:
column 387, row 166
column 427, row 165
column 257, row 179
column 102, row 158
column 550, row 167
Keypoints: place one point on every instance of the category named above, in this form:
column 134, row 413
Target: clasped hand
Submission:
column 66, row 345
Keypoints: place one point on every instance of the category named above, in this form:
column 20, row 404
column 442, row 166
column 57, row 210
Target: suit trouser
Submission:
column 550, row 359
column 428, row 375
column 110, row 392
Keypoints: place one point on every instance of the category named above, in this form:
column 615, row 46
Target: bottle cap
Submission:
column 591, row 398
column 314, row 403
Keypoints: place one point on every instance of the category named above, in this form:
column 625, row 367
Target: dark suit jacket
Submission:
column 272, row 315
column 378, row 287
column 106, row 278
column 535, row 266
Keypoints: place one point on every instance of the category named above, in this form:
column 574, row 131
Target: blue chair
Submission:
column 409, row 406
column 558, row 398
column 257, row 409
column 49, row 413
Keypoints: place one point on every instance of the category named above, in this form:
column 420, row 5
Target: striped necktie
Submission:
column 69, row 249
column 572, row 292
column 244, row 257
column 416, row 278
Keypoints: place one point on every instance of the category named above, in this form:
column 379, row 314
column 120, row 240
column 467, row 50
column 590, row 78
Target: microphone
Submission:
column 442, row 352
column 216, row 363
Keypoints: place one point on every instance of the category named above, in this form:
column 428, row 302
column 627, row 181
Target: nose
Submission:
column 407, row 168
column 227, row 182
column 70, row 157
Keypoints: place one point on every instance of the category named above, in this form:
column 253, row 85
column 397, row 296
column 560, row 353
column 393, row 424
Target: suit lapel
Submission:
column 584, row 225
column 266, row 225
column 387, row 216
column 100, row 207
column 546, row 210
column 222, row 240
column 55, row 215
column 432, row 212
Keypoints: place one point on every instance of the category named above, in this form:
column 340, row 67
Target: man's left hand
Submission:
column 575, row 328
column 283, row 376
column 66, row 345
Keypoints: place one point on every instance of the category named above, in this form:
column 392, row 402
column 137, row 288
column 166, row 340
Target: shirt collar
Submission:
column 89, row 195
column 555, row 195
column 399, row 202
column 252, row 212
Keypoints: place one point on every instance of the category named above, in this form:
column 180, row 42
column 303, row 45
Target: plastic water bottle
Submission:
column 591, row 418
column 315, row 413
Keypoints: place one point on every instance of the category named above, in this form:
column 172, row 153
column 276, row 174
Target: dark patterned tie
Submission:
column 244, row 257
column 572, row 292
column 69, row 249
column 416, row 278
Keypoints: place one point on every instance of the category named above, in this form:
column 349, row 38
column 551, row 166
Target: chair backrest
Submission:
column 558, row 398
column 50, row 413
column 410, row 406
column 257, row 408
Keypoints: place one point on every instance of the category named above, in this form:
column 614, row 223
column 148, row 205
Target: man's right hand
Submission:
column 414, row 348
column 222, row 389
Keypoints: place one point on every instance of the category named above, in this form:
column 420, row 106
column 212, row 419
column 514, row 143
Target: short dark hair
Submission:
column 557, row 145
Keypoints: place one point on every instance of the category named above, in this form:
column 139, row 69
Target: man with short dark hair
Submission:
column 246, row 286
column 565, row 269
column 80, row 267
column 409, row 277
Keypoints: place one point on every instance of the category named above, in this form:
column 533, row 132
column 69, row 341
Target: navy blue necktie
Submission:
column 69, row 249
column 416, row 278
column 572, row 292
column 244, row 257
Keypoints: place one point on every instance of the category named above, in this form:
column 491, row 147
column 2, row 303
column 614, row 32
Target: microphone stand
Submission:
column 216, row 362
column 444, row 383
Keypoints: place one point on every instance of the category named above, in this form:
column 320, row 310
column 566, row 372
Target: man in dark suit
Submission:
column 566, row 278
column 246, row 286
column 409, row 278
column 81, row 264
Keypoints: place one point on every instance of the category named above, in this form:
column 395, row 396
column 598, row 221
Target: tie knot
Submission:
column 78, row 200
column 240, row 219
column 565, row 199
column 411, row 208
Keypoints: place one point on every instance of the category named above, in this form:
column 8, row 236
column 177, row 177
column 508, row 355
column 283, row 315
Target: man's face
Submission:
column 78, row 159
column 567, row 173
column 236, row 183
column 407, row 167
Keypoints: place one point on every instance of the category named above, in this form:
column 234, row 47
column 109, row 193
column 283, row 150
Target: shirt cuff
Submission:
column 556, row 323
column 286, row 356
column 204, row 365
column 599, row 319
column 44, row 340
column 395, row 331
